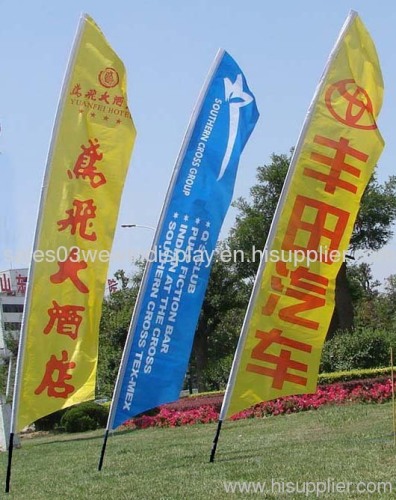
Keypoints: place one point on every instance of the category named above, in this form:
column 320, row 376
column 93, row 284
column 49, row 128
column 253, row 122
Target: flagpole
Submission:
column 393, row 396
column 142, row 290
column 102, row 453
column 26, row 309
column 271, row 235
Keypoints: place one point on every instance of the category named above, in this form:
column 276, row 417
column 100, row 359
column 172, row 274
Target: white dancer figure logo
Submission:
column 237, row 98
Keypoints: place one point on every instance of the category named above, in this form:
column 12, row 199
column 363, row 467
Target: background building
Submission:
column 12, row 298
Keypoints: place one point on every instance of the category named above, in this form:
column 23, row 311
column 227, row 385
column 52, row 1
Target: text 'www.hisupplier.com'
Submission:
column 308, row 488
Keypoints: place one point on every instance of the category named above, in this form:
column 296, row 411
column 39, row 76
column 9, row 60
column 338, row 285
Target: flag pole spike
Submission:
column 215, row 440
column 106, row 435
column 9, row 465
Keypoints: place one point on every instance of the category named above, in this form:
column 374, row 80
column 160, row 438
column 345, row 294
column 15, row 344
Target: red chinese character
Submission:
column 79, row 216
column 300, row 279
column 112, row 284
column 85, row 165
column 67, row 319
column 314, row 221
column 91, row 94
column 118, row 100
column 76, row 90
column 5, row 283
column 55, row 383
column 69, row 269
column 283, row 362
column 337, row 164
column 105, row 97
column 21, row 283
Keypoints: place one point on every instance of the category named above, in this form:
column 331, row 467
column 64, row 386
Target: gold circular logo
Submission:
column 109, row 78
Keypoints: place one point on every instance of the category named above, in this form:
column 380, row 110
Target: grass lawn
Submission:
column 345, row 443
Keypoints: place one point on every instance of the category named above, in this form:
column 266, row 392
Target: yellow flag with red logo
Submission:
column 293, row 298
column 88, row 160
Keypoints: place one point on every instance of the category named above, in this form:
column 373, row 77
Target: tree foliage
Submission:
column 116, row 316
column 373, row 226
column 254, row 217
column 219, row 326
column 374, row 308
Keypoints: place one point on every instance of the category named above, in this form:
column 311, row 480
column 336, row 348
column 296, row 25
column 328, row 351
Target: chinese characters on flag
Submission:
column 90, row 154
column 294, row 297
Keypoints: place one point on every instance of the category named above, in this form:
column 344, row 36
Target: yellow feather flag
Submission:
column 88, row 160
column 293, row 297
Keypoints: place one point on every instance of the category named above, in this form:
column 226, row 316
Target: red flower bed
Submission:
column 175, row 418
column 193, row 402
column 205, row 409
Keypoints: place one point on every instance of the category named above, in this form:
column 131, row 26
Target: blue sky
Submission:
column 167, row 48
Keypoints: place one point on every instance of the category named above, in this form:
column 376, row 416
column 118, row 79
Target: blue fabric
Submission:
column 174, row 285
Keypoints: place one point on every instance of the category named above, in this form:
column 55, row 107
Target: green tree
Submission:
column 219, row 326
column 373, row 226
column 377, row 309
column 372, row 230
column 365, row 294
column 390, row 294
column 114, row 324
column 254, row 217
column 362, row 284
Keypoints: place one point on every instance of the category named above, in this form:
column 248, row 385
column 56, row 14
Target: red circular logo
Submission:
column 350, row 105
column 109, row 78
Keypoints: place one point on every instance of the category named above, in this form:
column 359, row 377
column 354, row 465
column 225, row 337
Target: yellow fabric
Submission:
column 90, row 153
column 293, row 308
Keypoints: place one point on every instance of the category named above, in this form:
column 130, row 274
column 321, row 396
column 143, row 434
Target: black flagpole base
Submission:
column 10, row 448
column 216, row 438
column 103, row 450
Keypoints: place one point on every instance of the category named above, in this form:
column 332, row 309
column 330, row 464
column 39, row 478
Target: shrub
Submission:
column 345, row 376
column 361, row 348
column 84, row 417
column 49, row 422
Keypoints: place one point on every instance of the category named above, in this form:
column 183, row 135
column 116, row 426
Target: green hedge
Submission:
column 345, row 376
column 359, row 349
column 330, row 378
column 84, row 417
column 51, row 422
